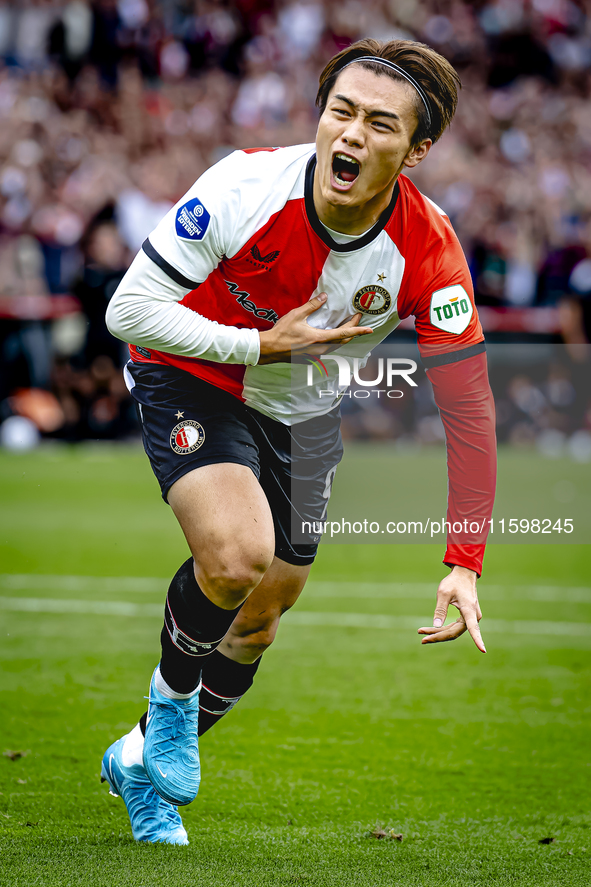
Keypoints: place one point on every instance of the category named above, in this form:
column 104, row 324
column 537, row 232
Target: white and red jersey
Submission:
column 248, row 244
column 244, row 246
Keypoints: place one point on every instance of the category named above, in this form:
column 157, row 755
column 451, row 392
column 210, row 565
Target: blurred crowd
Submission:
column 542, row 393
column 109, row 110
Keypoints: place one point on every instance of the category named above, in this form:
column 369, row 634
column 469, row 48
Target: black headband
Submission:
column 399, row 70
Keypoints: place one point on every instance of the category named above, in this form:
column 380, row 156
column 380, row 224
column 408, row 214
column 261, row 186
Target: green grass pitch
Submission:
column 351, row 725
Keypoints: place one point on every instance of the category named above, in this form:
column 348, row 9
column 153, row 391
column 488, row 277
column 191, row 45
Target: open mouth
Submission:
column 345, row 169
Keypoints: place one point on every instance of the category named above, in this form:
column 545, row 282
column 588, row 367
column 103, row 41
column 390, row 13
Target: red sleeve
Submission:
column 462, row 393
column 437, row 289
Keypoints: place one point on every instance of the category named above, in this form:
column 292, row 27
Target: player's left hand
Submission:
column 459, row 590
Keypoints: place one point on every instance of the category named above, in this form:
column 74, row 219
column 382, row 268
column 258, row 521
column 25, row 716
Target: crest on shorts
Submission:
column 186, row 437
column 372, row 300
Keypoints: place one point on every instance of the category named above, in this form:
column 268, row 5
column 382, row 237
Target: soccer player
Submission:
column 274, row 255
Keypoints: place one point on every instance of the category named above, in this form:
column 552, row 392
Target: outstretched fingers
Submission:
column 459, row 590
column 440, row 614
column 347, row 329
column 437, row 634
column 472, row 625
column 312, row 305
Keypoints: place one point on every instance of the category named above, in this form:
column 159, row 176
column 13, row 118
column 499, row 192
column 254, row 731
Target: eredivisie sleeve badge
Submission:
column 186, row 437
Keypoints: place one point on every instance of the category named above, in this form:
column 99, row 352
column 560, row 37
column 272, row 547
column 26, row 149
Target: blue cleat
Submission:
column 171, row 747
column 152, row 819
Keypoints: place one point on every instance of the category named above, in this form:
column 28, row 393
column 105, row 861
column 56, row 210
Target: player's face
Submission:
column 364, row 139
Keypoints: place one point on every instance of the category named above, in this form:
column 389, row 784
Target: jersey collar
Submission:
column 321, row 231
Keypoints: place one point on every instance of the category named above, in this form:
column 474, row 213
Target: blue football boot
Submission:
column 152, row 819
column 171, row 747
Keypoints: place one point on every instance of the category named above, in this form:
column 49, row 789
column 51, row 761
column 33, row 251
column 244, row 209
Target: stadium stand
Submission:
column 110, row 110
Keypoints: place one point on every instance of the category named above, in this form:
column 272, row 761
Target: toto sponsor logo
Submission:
column 186, row 437
column 451, row 309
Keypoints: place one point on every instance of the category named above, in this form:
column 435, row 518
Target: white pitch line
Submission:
column 495, row 626
column 297, row 618
column 91, row 608
column 32, row 581
column 333, row 589
column 493, row 592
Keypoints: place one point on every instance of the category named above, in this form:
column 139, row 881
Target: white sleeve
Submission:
column 145, row 311
column 215, row 218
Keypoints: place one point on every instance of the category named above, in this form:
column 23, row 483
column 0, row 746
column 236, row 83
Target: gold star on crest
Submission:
column 381, row 278
column 180, row 415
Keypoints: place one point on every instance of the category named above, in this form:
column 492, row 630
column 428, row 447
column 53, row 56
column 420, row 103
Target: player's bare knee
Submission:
column 250, row 642
column 228, row 581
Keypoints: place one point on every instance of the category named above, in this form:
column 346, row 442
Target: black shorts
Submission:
column 187, row 423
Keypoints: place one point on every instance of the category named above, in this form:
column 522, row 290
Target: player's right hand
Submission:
column 292, row 335
column 458, row 589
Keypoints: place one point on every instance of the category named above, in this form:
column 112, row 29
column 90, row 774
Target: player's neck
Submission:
column 350, row 219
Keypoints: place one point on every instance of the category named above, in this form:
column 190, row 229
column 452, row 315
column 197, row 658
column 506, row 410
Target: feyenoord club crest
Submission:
column 372, row 299
column 186, row 437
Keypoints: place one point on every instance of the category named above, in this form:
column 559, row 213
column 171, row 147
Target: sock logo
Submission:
column 215, row 704
column 185, row 643
column 186, row 437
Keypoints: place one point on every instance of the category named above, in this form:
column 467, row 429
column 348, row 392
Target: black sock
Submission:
column 193, row 628
column 224, row 684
